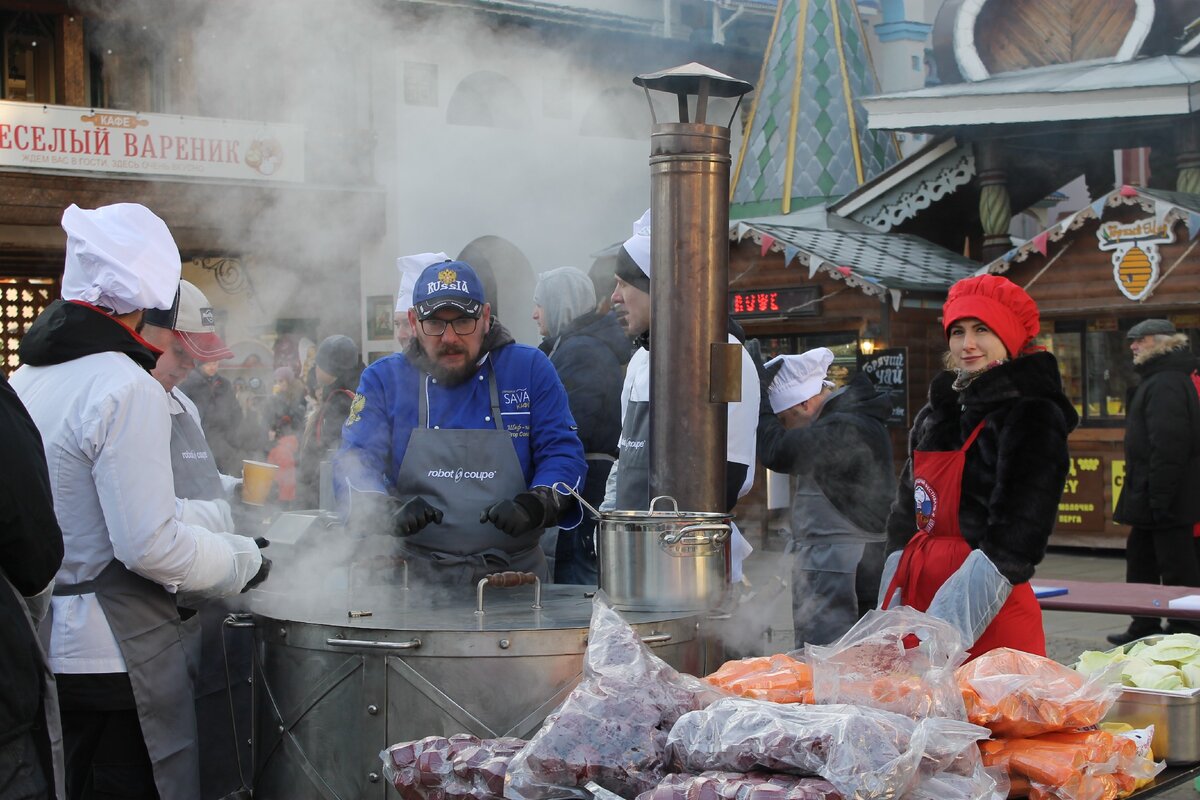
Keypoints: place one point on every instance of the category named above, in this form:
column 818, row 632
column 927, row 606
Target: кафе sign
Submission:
column 66, row 138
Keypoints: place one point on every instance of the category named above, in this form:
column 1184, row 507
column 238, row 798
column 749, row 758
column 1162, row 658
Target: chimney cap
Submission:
column 688, row 79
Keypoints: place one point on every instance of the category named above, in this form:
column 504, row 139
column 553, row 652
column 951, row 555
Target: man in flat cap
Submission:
column 1161, row 495
column 835, row 444
column 466, row 433
column 115, row 641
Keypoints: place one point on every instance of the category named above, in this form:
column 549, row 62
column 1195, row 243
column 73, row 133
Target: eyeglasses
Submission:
column 436, row 327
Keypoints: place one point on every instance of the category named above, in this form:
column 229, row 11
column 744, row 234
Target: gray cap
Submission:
column 1151, row 327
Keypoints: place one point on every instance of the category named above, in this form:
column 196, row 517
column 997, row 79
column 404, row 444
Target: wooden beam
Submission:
column 71, row 73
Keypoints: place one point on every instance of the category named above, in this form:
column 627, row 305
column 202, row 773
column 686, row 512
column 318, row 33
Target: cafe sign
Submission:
column 1135, row 257
column 37, row 136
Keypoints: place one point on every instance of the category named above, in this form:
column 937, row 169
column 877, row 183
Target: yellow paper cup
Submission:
column 257, row 477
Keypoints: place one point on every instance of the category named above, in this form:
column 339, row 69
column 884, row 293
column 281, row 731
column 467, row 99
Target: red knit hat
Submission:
column 997, row 302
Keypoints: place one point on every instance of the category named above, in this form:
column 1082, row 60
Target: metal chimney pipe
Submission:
column 689, row 284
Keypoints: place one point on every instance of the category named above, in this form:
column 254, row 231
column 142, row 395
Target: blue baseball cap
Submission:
column 448, row 284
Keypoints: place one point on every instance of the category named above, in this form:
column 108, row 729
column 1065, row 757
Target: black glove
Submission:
column 259, row 576
column 412, row 515
column 518, row 516
column 262, row 542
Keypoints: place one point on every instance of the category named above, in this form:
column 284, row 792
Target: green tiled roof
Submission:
column 812, row 143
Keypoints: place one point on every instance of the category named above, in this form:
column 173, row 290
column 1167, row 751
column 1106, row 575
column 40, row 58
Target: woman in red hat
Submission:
column 987, row 462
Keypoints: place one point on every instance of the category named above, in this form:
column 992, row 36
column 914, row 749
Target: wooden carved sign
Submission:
column 1135, row 257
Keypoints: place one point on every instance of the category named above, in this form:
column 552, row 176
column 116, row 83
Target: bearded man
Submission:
column 466, row 433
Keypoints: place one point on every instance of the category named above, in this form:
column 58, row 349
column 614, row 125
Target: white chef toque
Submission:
column 800, row 378
column 410, row 268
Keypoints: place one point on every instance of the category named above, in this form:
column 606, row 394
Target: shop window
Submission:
column 28, row 57
column 21, row 300
column 129, row 67
column 489, row 100
column 1096, row 366
column 843, row 345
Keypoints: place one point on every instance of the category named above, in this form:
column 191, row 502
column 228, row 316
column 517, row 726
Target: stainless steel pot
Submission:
column 662, row 560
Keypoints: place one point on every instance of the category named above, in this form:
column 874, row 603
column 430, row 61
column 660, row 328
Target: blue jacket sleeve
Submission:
column 555, row 450
column 364, row 459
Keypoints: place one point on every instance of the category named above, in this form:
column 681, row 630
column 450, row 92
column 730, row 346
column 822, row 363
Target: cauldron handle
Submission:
column 564, row 487
column 505, row 580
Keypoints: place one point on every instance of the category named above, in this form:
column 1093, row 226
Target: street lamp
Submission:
column 694, row 372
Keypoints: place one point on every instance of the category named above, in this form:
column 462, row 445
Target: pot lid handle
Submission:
column 674, row 504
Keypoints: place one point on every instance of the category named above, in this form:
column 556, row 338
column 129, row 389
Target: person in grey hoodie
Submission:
column 589, row 351
column 835, row 445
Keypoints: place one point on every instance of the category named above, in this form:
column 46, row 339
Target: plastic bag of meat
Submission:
column 864, row 752
column 741, row 786
column 778, row 678
column 612, row 728
column 1021, row 694
column 459, row 768
column 899, row 660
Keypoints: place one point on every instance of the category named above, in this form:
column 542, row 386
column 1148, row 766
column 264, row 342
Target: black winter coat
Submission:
column 847, row 452
column 220, row 416
column 31, row 550
column 589, row 356
column 1162, row 445
column 323, row 434
column 1015, row 471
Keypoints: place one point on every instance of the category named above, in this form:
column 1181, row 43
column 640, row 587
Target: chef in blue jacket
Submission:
column 465, row 432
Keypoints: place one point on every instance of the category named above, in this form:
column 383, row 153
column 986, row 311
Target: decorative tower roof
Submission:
column 807, row 141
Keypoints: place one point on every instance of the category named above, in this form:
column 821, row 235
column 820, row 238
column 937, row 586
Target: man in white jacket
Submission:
column 115, row 642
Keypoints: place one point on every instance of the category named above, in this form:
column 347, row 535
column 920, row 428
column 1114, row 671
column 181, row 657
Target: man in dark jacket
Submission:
column 588, row 350
column 338, row 368
column 835, row 445
column 31, row 550
column 1161, row 495
column 220, row 414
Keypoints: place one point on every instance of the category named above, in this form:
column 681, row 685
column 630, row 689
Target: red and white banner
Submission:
column 39, row 136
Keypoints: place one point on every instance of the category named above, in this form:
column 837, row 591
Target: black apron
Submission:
column 462, row 472
column 145, row 622
column 197, row 478
column 633, row 462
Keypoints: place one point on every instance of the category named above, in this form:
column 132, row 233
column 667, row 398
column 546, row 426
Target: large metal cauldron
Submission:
column 332, row 691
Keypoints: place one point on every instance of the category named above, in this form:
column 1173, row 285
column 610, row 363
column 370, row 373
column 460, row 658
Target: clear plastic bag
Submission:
column 864, row 752
column 1017, row 694
column 741, row 786
column 461, row 767
column 612, row 728
column 899, row 660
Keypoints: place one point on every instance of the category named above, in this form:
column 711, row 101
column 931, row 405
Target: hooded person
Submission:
column 628, row 486
column 836, row 445
column 1160, row 499
column 978, row 497
column 115, row 641
column 589, row 350
column 338, row 369
column 410, row 268
column 463, row 438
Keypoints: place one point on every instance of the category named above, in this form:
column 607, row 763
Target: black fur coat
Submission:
column 1015, row 471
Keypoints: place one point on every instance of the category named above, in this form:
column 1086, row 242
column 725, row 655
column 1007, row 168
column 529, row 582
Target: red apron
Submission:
column 938, row 549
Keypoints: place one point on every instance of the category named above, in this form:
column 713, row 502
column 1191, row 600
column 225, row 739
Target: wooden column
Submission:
column 1187, row 156
column 71, row 86
column 995, row 210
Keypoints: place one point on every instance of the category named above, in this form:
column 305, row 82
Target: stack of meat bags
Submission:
column 1043, row 717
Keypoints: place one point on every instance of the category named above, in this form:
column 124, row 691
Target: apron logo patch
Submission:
column 356, row 406
column 457, row 475
column 516, row 397
column 630, row 444
column 927, row 502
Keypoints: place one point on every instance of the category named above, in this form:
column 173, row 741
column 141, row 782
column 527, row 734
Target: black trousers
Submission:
column 105, row 753
column 1170, row 556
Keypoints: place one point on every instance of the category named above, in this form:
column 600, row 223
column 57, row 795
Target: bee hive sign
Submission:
column 1135, row 257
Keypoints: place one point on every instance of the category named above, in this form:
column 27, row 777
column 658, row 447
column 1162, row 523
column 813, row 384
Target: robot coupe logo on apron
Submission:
column 927, row 503
column 457, row 475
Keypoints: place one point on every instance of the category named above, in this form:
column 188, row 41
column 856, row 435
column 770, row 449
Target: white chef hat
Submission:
column 120, row 257
column 800, row 378
column 410, row 268
column 638, row 245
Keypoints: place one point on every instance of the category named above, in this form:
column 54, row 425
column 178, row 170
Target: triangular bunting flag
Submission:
column 789, row 252
column 767, row 241
column 1127, row 191
column 845, row 271
column 742, row 230
column 1065, row 225
column 814, row 264
column 1161, row 210
column 895, row 293
column 1193, row 223
column 1098, row 206
column 1009, row 256
column 1039, row 241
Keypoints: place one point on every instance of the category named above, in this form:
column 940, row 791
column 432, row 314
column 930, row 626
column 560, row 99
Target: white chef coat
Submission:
column 106, row 429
